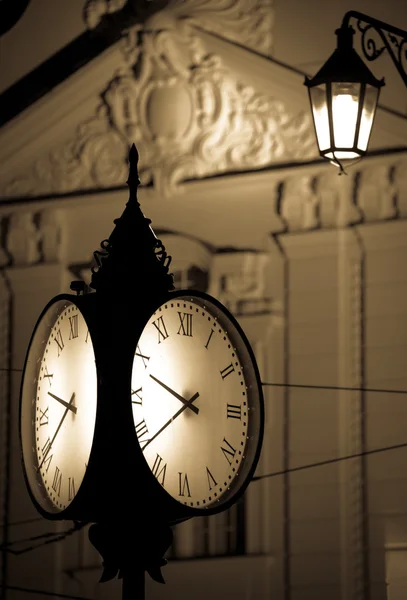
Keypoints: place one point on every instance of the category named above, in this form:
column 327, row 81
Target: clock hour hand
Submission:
column 66, row 404
column 178, row 396
column 188, row 404
column 69, row 406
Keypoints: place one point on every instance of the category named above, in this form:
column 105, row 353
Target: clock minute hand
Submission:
column 58, row 428
column 178, row 396
column 66, row 404
column 188, row 404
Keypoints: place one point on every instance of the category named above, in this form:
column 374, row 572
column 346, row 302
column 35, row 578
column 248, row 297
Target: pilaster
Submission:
column 351, row 414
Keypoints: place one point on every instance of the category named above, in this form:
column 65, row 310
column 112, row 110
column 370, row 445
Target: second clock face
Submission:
column 192, row 398
column 59, row 402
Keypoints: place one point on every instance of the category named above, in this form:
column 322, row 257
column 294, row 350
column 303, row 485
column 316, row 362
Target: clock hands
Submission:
column 187, row 403
column 66, row 404
column 69, row 407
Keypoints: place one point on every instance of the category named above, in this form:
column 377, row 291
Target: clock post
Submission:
column 130, row 279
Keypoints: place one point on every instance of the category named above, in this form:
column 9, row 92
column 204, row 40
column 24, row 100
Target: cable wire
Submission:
column 333, row 387
column 49, row 537
column 301, row 385
column 43, row 592
column 23, row 522
column 331, row 461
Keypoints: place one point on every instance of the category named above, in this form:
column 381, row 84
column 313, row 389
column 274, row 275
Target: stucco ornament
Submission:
column 95, row 158
column 248, row 22
column 239, row 280
column 376, row 197
column 187, row 114
column 94, row 10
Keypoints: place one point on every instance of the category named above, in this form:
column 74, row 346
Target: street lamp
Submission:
column 344, row 93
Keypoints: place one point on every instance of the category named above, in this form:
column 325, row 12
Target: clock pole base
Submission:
column 129, row 550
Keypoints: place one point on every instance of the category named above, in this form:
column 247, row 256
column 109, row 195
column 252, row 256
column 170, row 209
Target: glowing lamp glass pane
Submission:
column 345, row 105
column 368, row 112
column 320, row 112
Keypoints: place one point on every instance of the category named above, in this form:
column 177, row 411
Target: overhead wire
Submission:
column 50, row 537
column 17, row 588
column 58, row 536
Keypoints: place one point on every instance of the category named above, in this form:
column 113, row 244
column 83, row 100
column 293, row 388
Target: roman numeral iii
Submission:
column 234, row 411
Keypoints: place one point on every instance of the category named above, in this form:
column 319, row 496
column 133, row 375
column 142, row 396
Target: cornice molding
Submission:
column 249, row 22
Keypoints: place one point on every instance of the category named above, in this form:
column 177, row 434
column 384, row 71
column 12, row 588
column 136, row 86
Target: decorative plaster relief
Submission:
column 95, row 158
column 248, row 22
column 32, row 239
column 238, row 280
column 22, row 239
column 376, row 193
column 334, row 194
column 400, row 186
column 185, row 112
column 51, row 236
column 94, row 10
column 299, row 203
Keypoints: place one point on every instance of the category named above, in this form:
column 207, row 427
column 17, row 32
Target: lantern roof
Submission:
column 345, row 64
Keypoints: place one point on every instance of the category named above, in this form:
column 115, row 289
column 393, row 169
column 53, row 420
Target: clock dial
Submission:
column 195, row 401
column 59, row 400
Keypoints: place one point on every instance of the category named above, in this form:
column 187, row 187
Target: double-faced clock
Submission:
column 197, row 404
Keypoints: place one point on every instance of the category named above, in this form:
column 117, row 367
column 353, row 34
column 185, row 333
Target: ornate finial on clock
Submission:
column 132, row 255
column 133, row 180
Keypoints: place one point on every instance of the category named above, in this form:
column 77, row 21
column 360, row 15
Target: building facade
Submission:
column 310, row 263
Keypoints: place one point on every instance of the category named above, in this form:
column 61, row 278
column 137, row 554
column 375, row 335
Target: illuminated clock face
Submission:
column 58, row 406
column 196, row 400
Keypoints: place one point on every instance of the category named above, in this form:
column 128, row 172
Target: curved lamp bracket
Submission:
column 377, row 37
